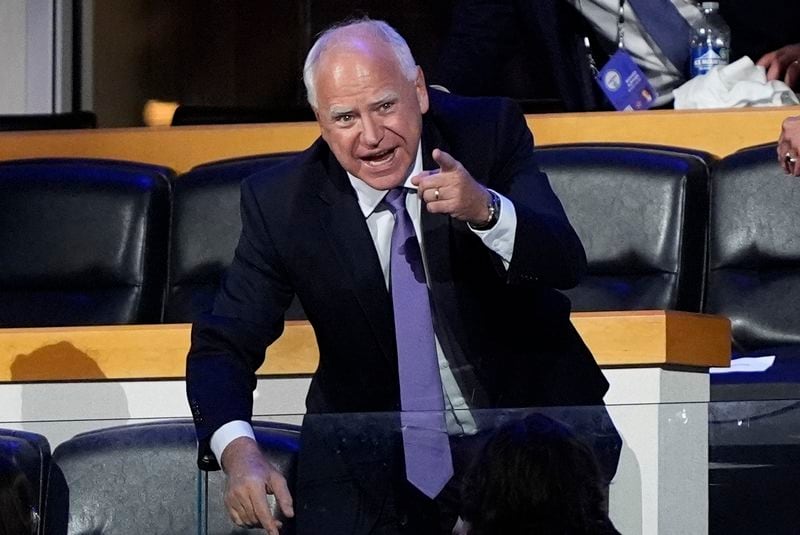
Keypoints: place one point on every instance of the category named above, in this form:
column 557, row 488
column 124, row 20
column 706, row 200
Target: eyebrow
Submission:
column 386, row 97
column 337, row 110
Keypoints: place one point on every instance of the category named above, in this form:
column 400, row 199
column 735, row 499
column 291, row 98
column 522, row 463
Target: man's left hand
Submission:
column 452, row 190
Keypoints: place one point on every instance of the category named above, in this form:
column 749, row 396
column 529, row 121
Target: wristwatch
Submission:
column 494, row 213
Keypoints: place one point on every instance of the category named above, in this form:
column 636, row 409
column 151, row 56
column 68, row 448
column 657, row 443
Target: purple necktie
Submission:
column 667, row 27
column 429, row 465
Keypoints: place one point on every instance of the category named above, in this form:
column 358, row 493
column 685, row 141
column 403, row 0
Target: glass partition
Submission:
column 719, row 468
column 754, row 467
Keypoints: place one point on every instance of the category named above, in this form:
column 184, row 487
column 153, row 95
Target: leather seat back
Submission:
column 754, row 249
column 206, row 223
column 28, row 453
column 82, row 242
column 641, row 214
column 143, row 478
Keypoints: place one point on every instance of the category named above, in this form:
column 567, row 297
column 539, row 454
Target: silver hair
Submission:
column 375, row 28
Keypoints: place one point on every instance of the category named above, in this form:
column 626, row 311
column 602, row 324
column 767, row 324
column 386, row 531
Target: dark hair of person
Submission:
column 534, row 476
column 15, row 500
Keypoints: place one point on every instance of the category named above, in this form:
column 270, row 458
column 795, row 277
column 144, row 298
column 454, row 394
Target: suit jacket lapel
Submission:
column 436, row 240
column 439, row 232
column 435, row 227
column 344, row 223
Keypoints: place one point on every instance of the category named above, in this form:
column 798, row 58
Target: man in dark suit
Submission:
column 495, row 242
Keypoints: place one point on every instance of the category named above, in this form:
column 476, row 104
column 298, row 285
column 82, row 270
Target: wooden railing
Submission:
column 719, row 132
column 147, row 352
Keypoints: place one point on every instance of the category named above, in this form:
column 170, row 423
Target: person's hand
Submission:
column 249, row 478
column 452, row 190
column 789, row 146
column 783, row 64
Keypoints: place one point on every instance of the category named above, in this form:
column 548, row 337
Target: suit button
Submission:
column 403, row 521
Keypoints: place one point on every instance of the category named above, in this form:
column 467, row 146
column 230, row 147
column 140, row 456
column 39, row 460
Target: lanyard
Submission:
column 620, row 38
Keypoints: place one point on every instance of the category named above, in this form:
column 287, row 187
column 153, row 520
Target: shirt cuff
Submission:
column 227, row 434
column 500, row 238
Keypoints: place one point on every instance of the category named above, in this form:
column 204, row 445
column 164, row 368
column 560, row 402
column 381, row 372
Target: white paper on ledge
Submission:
column 747, row 364
column 737, row 85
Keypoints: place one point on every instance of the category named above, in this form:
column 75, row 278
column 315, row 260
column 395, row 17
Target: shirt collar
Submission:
column 369, row 197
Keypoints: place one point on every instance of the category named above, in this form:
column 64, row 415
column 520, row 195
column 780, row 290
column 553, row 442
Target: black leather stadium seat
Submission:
column 144, row 478
column 754, row 250
column 30, row 454
column 206, row 224
column 754, row 271
column 82, row 242
column 641, row 213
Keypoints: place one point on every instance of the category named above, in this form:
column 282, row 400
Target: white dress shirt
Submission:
column 500, row 239
column 663, row 76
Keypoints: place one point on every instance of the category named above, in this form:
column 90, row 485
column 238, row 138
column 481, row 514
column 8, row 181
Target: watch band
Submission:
column 494, row 213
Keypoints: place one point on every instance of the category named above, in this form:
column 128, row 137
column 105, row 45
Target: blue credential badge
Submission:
column 625, row 84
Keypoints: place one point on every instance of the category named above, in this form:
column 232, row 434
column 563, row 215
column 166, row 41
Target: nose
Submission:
column 371, row 131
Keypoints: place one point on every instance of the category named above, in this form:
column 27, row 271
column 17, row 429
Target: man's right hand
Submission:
column 249, row 478
column 789, row 146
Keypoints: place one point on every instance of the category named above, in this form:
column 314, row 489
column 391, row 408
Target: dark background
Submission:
column 250, row 52
column 229, row 52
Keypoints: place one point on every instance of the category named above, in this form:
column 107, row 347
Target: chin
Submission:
column 384, row 181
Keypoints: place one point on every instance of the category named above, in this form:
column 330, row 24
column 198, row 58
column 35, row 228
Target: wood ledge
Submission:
column 147, row 352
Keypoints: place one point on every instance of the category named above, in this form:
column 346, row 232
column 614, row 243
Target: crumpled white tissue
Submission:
column 740, row 84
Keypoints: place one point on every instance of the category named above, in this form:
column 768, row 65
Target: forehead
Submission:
column 352, row 69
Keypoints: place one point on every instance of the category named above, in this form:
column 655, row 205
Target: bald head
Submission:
column 360, row 37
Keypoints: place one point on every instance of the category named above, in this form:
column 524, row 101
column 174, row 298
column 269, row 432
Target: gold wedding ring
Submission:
column 436, row 194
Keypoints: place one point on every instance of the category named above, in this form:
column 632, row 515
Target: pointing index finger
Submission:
column 445, row 161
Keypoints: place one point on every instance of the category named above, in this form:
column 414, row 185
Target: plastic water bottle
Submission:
column 711, row 41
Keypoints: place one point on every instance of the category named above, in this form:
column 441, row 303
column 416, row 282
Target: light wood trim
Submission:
column 655, row 337
column 179, row 148
column 159, row 351
column 131, row 352
column 719, row 132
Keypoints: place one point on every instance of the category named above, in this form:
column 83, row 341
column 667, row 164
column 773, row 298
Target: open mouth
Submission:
column 379, row 158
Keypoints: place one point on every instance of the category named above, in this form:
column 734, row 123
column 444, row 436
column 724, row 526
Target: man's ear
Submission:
column 319, row 123
column 421, row 90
